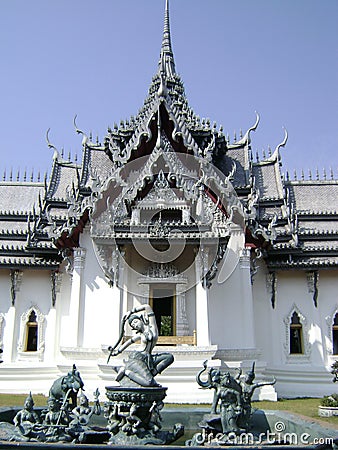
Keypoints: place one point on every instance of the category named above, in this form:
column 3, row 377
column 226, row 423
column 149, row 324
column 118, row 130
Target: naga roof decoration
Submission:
column 167, row 150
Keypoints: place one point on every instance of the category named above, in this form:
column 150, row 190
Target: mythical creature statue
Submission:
column 248, row 389
column 234, row 396
column 134, row 407
column 142, row 365
column 67, row 386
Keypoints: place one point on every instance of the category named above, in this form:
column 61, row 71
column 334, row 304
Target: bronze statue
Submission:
column 142, row 366
column 234, row 395
column 67, row 386
column 27, row 420
column 248, row 389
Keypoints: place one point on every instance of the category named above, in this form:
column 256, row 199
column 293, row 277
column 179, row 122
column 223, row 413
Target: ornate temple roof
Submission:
column 294, row 221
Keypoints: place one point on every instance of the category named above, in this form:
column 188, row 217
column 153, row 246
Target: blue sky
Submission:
column 96, row 58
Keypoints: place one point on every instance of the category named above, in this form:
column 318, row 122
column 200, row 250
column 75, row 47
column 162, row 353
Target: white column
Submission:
column 8, row 338
column 247, row 318
column 51, row 336
column 202, row 313
column 76, row 308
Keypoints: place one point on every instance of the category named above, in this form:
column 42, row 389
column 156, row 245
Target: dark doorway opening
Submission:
column 32, row 333
column 163, row 305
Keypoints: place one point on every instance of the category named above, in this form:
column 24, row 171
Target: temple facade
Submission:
column 238, row 262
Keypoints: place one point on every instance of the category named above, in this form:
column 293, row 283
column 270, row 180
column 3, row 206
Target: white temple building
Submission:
column 238, row 262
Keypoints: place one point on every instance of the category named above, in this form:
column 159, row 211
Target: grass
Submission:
column 307, row 407
column 19, row 399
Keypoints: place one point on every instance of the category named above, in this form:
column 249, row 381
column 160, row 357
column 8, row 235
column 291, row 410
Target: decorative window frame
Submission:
column 329, row 321
column 297, row 358
column 41, row 321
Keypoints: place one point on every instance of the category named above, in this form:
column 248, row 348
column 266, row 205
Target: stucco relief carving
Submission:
column 16, row 280
column 56, row 281
column 159, row 270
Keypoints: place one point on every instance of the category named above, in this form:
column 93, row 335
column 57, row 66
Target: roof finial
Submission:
column 167, row 64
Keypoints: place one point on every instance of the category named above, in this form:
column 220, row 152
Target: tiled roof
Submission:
column 100, row 164
column 318, row 226
column 305, row 263
column 13, row 227
column 19, row 196
column 314, row 196
column 267, row 180
column 62, row 179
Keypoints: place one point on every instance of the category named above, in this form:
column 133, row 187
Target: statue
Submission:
column 133, row 410
column 82, row 414
column 234, row 395
column 28, row 421
column 56, row 421
column 67, row 386
column 248, row 389
column 61, row 421
column 142, row 365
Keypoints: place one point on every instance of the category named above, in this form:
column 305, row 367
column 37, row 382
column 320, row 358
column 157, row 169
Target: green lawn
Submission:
column 305, row 406
column 18, row 400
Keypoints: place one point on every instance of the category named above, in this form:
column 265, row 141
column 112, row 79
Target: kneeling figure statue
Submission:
column 133, row 411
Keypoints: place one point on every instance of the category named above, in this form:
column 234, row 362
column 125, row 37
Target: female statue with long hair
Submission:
column 142, row 365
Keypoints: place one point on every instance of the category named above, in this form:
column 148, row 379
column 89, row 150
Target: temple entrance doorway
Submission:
column 163, row 303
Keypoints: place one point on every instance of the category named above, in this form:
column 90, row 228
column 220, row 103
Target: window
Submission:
column 32, row 333
column 335, row 335
column 296, row 335
column 31, row 342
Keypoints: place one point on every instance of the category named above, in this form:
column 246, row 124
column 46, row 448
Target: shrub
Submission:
column 334, row 371
column 330, row 400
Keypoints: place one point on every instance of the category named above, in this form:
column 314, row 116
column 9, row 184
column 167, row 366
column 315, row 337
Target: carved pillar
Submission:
column 182, row 327
column 76, row 308
column 202, row 313
column 123, row 282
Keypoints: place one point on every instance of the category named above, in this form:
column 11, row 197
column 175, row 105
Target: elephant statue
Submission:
column 67, row 387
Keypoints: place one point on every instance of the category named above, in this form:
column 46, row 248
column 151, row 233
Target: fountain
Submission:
column 132, row 413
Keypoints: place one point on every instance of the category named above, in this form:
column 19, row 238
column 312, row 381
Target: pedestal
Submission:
column 134, row 416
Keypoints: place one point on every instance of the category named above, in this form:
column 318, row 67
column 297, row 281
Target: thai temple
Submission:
column 238, row 262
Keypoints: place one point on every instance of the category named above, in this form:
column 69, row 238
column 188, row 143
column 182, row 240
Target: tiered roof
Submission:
column 294, row 222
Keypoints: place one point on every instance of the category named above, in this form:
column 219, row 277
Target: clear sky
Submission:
column 96, row 58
